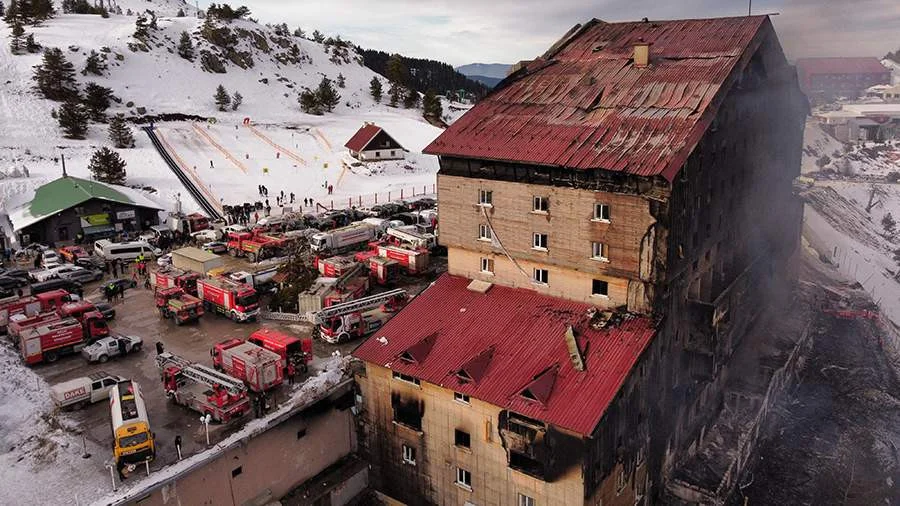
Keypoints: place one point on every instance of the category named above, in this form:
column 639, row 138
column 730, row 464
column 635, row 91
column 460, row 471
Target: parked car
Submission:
column 113, row 346
column 56, row 284
column 207, row 235
column 164, row 260
column 10, row 283
column 91, row 262
column 423, row 203
column 215, row 247
column 106, row 310
column 17, row 273
column 82, row 275
column 53, row 272
column 49, row 258
column 72, row 253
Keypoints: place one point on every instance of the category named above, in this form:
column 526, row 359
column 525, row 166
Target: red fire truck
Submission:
column 170, row 277
column 230, row 298
column 358, row 318
column 203, row 388
column 31, row 305
column 295, row 353
column 181, row 307
column 258, row 367
column 256, row 245
column 60, row 337
column 335, row 267
column 415, row 261
column 384, row 271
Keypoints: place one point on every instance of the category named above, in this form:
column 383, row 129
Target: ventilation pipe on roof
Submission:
column 574, row 352
column 641, row 53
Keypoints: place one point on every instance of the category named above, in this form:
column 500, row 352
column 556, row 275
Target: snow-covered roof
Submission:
column 67, row 192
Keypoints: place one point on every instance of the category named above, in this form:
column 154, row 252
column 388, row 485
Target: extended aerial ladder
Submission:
column 201, row 373
column 355, row 306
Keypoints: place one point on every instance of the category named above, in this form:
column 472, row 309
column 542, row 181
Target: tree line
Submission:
column 424, row 75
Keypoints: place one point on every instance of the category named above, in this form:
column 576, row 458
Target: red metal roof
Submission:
column 812, row 66
column 508, row 341
column 362, row 137
column 586, row 106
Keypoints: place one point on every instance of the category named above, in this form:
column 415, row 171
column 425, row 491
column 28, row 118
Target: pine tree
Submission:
column 2, row 9
column 107, row 166
column 73, row 119
column 152, row 24
column 299, row 33
column 431, row 105
column 341, row 82
column 16, row 46
column 410, row 98
column 309, row 102
column 328, row 96
column 318, row 37
column 41, row 9
column 222, row 98
column 141, row 28
column 30, row 45
column 12, row 13
column 55, row 76
column 180, row 13
column 395, row 93
column 375, row 89
column 119, row 132
column 94, row 64
column 888, row 223
column 97, row 100
column 236, row 100
column 396, row 70
column 24, row 11
column 186, row 47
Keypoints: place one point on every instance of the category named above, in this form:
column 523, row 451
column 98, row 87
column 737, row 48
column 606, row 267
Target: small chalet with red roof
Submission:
column 616, row 214
column 371, row 144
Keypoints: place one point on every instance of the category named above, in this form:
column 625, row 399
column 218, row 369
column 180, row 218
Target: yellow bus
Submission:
column 132, row 440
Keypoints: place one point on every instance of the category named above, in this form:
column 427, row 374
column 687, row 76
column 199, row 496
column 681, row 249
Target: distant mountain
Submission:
column 426, row 74
column 490, row 82
column 495, row 70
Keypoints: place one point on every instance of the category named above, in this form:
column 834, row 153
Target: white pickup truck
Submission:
column 80, row 392
column 105, row 348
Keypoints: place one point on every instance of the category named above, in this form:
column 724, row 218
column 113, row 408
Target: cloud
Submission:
column 466, row 31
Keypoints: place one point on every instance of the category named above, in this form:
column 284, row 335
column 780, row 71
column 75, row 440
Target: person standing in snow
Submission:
column 292, row 200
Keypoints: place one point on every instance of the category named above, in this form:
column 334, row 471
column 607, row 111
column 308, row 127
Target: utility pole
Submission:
column 63, row 158
column 750, row 8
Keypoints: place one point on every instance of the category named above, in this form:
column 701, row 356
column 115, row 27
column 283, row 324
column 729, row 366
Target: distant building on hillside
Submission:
column 864, row 122
column 371, row 143
column 825, row 79
column 69, row 206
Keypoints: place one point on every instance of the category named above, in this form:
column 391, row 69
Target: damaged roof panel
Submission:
column 589, row 107
column 526, row 335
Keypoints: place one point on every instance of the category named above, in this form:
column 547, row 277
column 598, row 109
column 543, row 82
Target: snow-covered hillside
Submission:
column 269, row 71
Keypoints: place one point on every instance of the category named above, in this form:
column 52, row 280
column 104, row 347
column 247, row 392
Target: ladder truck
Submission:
column 203, row 388
column 357, row 318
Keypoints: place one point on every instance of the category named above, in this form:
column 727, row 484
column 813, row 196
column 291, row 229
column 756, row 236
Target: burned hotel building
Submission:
column 615, row 213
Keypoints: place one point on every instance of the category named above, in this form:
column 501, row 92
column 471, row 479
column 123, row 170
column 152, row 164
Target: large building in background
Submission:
column 615, row 213
column 826, row 79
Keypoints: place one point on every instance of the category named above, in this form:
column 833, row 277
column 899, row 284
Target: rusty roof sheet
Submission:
column 362, row 137
column 586, row 106
column 508, row 347
column 867, row 65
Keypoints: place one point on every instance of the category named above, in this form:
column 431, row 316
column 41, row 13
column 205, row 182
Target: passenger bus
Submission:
column 132, row 440
column 108, row 250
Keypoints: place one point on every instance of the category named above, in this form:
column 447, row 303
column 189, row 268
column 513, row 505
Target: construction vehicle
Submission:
column 235, row 300
column 169, row 277
column 203, row 388
column 188, row 224
column 53, row 339
column 259, row 279
column 295, row 353
column 181, row 307
column 132, row 439
column 339, row 240
column 258, row 367
column 256, row 245
column 408, row 239
column 79, row 392
column 358, row 318
column 414, row 261
column 31, row 305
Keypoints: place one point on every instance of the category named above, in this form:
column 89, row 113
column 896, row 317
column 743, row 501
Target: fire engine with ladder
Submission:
column 357, row 318
column 203, row 388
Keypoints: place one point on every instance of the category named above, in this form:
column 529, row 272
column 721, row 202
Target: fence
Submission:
column 283, row 317
column 381, row 197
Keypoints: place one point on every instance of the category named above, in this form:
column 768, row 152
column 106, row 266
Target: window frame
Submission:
column 600, row 295
column 534, row 276
column 598, row 216
column 462, row 398
column 463, row 473
column 485, row 198
column 408, row 455
column 524, row 500
column 487, row 265
column 535, row 242
column 539, row 201
column 399, row 376
column 484, row 233
column 603, row 247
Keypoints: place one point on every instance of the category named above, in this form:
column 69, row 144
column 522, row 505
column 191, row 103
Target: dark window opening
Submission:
column 526, row 464
column 237, row 471
column 408, row 412
column 301, row 433
column 462, row 439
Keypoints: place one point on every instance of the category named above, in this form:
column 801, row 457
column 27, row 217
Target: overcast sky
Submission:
column 506, row 31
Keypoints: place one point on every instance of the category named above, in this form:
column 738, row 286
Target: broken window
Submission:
column 540, row 204
column 487, row 265
column 541, row 276
column 407, row 412
column 462, row 439
column 463, row 478
column 599, row 288
column 485, row 198
column 599, row 251
column 484, row 232
column 539, row 241
column 409, row 455
column 601, row 212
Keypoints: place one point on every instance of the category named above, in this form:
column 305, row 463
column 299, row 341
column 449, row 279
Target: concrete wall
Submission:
column 432, row 478
column 267, row 466
column 568, row 223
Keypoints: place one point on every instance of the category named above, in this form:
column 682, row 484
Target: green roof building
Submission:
column 70, row 207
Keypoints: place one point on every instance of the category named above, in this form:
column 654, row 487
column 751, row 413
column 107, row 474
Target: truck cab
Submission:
column 295, row 353
column 79, row 392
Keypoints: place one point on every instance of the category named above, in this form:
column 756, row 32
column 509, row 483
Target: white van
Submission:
column 109, row 250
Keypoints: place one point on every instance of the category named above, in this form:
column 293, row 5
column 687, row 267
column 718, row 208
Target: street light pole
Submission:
column 205, row 419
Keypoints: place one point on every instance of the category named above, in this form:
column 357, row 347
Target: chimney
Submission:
column 641, row 53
